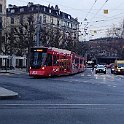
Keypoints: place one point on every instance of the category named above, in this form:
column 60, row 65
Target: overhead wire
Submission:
column 96, row 13
column 80, row 9
column 99, row 10
column 111, row 18
column 91, row 8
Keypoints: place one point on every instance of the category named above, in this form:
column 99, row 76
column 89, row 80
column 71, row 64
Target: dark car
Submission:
column 100, row 69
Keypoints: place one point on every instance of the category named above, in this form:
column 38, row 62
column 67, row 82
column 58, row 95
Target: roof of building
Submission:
column 35, row 8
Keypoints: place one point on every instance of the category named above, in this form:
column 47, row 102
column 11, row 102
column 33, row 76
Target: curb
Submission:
column 7, row 72
column 7, row 94
column 8, row 97
column 4, row 72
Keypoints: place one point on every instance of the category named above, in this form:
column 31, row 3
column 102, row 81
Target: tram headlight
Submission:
column 43, row 68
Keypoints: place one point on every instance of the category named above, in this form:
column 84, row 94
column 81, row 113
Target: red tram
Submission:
column 48, row 62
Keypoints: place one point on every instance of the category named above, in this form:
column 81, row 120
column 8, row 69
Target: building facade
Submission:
column 2, row 22
column 49, row 18
column 2, row 14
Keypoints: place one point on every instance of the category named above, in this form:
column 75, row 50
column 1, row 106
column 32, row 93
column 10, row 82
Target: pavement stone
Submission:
column 7, row 94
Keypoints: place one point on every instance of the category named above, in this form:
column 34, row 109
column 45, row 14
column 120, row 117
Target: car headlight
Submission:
column 119, row 70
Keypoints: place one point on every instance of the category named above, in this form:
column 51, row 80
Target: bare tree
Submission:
column 118, row 32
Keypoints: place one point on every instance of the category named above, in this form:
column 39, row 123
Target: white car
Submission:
column 100, row 69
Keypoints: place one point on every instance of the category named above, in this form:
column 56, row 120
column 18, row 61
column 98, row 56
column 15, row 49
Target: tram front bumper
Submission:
column 36, row 73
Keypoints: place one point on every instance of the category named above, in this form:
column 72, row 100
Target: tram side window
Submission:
column 77, row 61
column 48, row 60
column 54, row 60
column 81, row 61
column 0, row 62
column 57, row 63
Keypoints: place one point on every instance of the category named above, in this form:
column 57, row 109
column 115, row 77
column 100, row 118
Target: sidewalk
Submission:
column 7, row 94
column 14, row 71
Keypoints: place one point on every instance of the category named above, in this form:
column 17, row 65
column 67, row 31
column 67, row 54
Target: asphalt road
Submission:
column 85, row 98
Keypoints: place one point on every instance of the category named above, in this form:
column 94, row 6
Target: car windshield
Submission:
column 100, row 66
column 120, row 65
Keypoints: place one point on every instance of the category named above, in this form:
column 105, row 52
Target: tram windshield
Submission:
column 38, row 59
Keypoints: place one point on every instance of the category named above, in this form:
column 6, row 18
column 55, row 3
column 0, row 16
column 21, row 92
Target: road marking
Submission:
column 85, row 81
column 82, row 75
column 60, row 104
column 89, row 75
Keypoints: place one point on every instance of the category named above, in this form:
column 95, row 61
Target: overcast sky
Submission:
column 92, row 10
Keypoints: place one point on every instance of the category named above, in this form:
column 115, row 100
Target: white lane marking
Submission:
column 60, row 104
column 85, row 81
column 76, row 80
column 82, row 75
column 89, row 75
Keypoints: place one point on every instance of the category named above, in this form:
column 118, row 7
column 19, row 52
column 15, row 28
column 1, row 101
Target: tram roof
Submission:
column 60, row 50
column 56, row 49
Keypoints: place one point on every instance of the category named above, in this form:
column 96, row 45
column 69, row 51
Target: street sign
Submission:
column 106, row 11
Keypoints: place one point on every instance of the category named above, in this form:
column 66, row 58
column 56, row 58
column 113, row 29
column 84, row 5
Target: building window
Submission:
column 58, row 22
column 40, row 18
column 51, row 20
column 57, row 13
column 21, row 19
column 50, row 11
column 0, row 23
column 22, row 10
column 12, row 20
column 65, row 24
column 0, row 8
column 62, row 23
column 44, row 9
column 32, row 8
column 69, row 17
column 12, row 11
column 44, row 18
column 68, row 24
column 71, row 25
